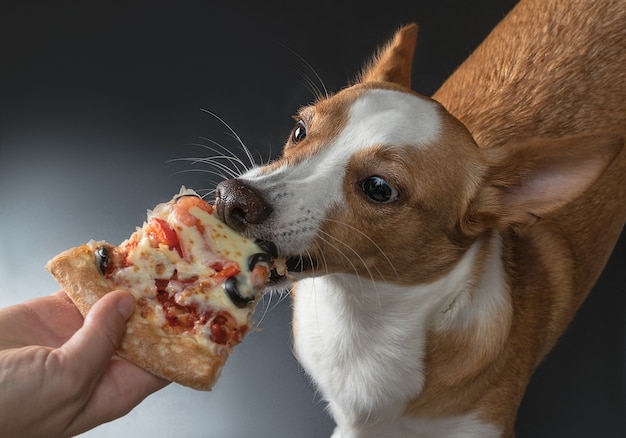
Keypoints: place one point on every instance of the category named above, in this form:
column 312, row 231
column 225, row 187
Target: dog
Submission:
column 440, row 246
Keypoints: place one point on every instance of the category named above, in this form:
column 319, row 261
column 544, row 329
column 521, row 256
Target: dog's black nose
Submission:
column 238, row 205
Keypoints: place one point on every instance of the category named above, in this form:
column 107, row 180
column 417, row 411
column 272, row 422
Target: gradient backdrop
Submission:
column 97, row 98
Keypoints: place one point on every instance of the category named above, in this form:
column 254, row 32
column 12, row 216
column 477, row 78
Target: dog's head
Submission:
column 382, row 182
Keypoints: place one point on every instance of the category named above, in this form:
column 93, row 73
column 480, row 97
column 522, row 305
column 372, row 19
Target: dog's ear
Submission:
column 530, row 178
column 394, row 61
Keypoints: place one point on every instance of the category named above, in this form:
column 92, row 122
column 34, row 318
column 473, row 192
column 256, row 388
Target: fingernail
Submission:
column 126, row 305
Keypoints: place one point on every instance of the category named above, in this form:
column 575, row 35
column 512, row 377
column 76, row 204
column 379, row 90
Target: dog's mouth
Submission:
column 300, row 264
column 284, row 267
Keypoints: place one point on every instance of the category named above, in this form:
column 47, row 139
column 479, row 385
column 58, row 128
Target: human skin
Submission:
column 59, row 375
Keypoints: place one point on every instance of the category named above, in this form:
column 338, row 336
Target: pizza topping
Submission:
column 225, row 331
column 184, row 205
column 232, row 290
column 192, row 274
column 159, row 232
column 257, row 258
column 221, row 327
column 102, row 259
column 195, row 280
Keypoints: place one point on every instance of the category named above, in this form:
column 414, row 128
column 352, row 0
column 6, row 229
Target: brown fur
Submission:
column 550, row 69
column 385, row 67
column 530, row 152
column 324, row 122
column 554, row 68
column 431, row 206
column 544, row 95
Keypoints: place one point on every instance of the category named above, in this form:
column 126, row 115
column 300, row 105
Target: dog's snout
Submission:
column 238, row 204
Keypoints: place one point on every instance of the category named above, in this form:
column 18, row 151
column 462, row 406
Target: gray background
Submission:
column 97, row 98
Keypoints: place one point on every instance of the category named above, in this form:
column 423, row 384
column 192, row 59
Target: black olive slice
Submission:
column 232, row 290
column 102, row 258
column 259, row 257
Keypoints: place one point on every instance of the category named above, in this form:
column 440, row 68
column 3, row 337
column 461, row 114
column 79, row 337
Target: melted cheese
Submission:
column 202, row 247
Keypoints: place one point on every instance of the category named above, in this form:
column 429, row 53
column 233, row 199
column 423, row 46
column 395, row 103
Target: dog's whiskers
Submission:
column 224, row 163
column 224, row 152
column 344, row 255
column 378, row 248
column 313, row 87
column 207, row 171
column 224, row 168
column 215, row 162
column 268, row 306
column 235, row 135
column 206, row 193
column 358, row 256
column 323, row 260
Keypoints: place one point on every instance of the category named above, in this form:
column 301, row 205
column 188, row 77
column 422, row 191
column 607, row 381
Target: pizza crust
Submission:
column 177, row 358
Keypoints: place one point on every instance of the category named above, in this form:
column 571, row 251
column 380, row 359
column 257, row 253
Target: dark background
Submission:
column 97, row 99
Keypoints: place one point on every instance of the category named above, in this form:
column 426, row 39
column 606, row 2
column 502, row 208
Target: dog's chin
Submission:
column 300, row 265
column 291, row 267
column 279, row 283
column 297, row 270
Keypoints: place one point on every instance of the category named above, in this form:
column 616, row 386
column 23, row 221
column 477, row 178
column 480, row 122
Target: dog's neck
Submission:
column 365, row 342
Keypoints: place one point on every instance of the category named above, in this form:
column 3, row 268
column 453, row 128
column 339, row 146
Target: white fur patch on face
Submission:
column 302, row 194
column 391, row 118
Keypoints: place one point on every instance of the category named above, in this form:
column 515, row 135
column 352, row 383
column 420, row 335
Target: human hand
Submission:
column 59, row 375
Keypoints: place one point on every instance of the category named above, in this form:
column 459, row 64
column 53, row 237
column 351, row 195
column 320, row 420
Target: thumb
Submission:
column 93, row 345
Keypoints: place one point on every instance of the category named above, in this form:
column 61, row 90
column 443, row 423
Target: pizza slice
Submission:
column 195, row 281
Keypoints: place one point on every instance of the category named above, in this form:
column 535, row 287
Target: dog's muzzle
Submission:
column 242, row 207
column 239, row 205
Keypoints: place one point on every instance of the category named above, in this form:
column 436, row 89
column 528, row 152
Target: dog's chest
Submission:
column 367, row 357
column 362, row 342
column 461, row 426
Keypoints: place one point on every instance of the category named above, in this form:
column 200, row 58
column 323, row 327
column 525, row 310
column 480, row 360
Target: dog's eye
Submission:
column 379, row 190
column 299, row 132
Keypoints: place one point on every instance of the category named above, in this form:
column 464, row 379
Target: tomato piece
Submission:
column 259, row 277
column 224, row 271
column 185, row 203
column 160, row 232
column 120, row 253
column 225, row 331
column 230, row 271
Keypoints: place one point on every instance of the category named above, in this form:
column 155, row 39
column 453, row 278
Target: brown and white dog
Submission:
column 442, row 246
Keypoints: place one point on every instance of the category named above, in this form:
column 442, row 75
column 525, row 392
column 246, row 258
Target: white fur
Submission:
column 363, row 343
column 485, row 296
column 302, row 194
column 462, row 426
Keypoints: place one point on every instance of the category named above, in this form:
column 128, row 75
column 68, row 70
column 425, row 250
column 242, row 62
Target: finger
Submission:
column 93, row 345
column 48, row 321
column 123, row 382
column 60, row 294
column 131, row 382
